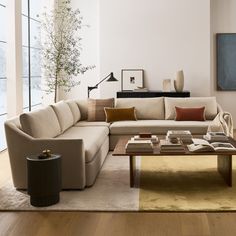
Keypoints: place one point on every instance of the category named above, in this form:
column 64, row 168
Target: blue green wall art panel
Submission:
column 226, row 61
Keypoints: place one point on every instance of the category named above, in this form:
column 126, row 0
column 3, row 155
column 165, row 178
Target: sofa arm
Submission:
column 20, row 145
column 73, row 159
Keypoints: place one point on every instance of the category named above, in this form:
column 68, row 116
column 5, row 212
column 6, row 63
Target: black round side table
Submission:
column 44, row 180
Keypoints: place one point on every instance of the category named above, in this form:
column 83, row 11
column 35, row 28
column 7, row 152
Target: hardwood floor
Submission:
column 84, row 223
column 93, row 223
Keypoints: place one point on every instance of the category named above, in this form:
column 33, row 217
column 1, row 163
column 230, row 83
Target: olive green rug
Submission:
column 184, row 183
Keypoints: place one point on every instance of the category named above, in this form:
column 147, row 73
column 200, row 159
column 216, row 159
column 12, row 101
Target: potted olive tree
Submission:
column 61, row 48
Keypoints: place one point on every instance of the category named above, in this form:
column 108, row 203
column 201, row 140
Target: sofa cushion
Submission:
column 41, row 123
column 93, row 138
column 64, row 115
column 190, row 114
column 146, row 108
column 74, row 110
column 84, row 123
column 83, row 107
column 96, row 108
column 158, row 126
column 119, row 114
column 208, row 102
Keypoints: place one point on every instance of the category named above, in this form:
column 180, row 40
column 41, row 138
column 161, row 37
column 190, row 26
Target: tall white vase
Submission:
column 179, row 82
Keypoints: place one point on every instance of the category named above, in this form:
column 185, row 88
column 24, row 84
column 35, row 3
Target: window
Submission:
column 31, row 53
column 3, row 78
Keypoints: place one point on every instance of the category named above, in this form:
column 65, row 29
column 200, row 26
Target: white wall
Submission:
column 223, row 20
column 160, row 36
column 89, row 56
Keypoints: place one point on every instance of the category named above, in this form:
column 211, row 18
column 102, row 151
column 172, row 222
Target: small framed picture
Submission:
column 131, row 79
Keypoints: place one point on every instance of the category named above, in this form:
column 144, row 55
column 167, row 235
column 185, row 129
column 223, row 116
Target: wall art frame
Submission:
column 131, row 79
column 225, row 61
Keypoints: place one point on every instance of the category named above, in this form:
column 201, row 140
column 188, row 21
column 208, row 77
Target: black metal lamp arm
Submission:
column 90, row 88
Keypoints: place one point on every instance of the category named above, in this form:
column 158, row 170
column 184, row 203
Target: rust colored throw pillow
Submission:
column 96, row 108
column 190, row 114
column 120, row 114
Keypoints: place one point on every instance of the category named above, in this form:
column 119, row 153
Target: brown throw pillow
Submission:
column 96, row 108
column 190, row 114
column 120, row 114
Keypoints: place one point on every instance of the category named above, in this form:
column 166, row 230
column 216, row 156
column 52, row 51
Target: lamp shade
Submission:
column 112, row 78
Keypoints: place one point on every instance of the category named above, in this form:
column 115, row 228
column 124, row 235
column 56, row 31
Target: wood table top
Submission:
column 120, row 150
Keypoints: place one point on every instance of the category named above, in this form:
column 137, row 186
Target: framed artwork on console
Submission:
column 131, row 79
column 226, row 59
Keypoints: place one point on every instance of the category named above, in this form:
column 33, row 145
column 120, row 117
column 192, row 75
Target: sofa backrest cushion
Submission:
column 96, row 108
column 83, row 107
column 41, row 123
column 75, row 110
column 209, row 103
column 64, row 115
column 146, row 108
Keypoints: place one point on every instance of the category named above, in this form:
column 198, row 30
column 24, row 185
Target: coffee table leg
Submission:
column 224, row 164
column 132, row 167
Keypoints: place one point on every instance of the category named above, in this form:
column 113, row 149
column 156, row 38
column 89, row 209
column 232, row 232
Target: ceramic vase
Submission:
column 166, row 85
column 179, row 82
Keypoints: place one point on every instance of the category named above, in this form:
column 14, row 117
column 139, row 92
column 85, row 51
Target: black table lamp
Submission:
column 110, row 77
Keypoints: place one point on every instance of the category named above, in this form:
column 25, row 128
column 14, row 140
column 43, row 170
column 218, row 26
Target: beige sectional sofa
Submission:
column 63, row 128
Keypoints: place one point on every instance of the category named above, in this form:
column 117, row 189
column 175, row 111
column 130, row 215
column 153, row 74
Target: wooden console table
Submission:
column 151, row 94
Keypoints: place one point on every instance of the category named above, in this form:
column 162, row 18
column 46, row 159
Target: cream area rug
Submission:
column 111, row 192
column 163, row 184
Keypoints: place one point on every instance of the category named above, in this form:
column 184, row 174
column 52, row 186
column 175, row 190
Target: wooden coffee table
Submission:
column 224, row 159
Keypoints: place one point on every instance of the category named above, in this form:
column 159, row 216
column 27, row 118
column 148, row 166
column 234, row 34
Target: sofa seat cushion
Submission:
column 64, row 115
column 146, row 108
column 93, row 138
column 41, row 123
column 157, row 126
column 91, row 123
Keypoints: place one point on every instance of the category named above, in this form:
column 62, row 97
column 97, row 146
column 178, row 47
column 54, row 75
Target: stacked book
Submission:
column 168, row 147
column 140, row 89
column 141, row 146
column 216, row 137
column 184, row 135
column 154, row 139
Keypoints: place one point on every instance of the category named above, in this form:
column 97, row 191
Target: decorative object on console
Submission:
column 179, row 82
column 226, row 57
column 110, row 78
column 190, row 114
column 96, row 108
column 131, row 79
column 166, row 85
column 120, row 114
